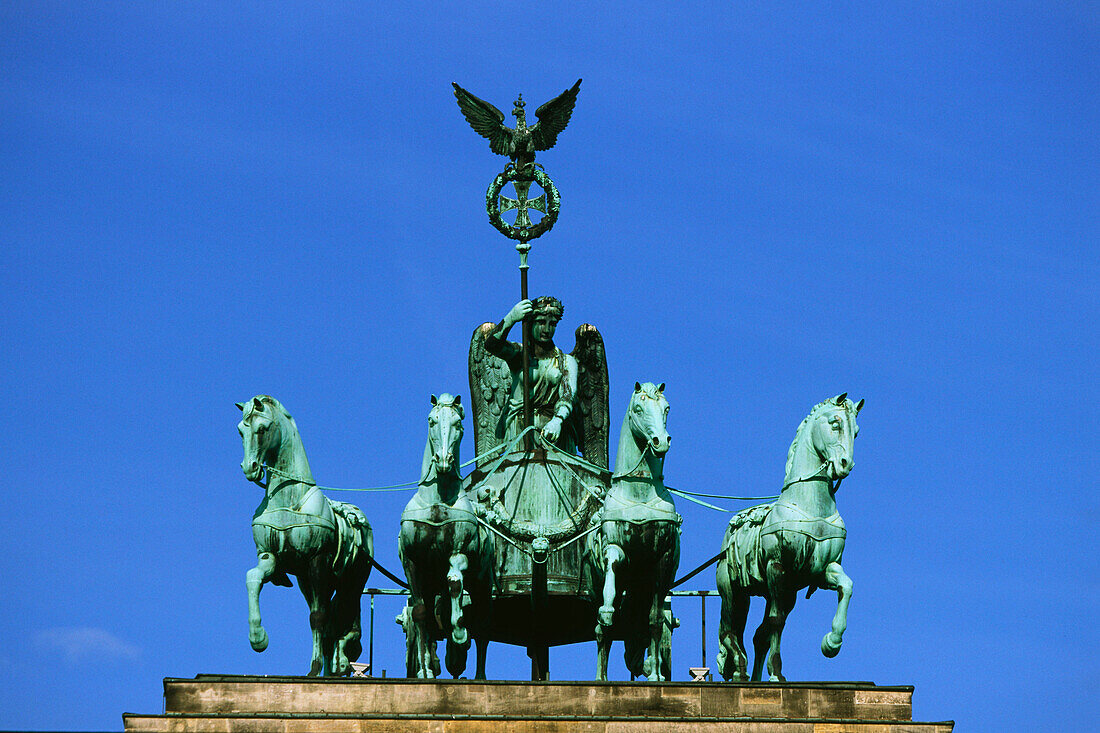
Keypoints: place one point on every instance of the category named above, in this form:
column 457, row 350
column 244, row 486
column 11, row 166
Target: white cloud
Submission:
column 83, row 644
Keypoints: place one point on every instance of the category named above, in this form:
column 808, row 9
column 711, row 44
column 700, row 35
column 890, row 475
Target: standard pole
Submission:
column 370, row 657
column 528, row 418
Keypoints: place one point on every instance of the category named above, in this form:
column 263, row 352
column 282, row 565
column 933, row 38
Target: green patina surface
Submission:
column 775, row 550
column 541, row 543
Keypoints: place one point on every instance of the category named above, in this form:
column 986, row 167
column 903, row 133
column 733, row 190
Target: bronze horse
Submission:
column 445, row 553
column 775, row 550
column 635, row 553
column 327, row 545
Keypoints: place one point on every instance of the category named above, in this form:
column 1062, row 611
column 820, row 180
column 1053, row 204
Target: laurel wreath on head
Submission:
column 553, row 203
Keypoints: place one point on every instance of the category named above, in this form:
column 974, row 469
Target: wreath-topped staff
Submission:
column 520, row 144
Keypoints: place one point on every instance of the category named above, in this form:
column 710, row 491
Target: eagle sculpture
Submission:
column 521, row 143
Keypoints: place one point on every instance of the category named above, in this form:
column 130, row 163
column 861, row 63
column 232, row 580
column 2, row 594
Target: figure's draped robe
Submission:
column 550, row 391
column 539, row 495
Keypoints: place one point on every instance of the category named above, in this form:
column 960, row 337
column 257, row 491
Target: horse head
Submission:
column 646, row 417
column 833, row 432
column 444, row 433
column 261, row 433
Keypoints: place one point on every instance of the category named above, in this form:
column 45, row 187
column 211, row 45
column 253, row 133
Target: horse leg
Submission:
column 408, row 627
column 347, row 600
column 254, row 580
column 459, row 564
column 836, row 578
column 481, row 610
column 613, row 558
column 782, row 602
column 762, row 640
column 656, row 630
column 668, row 623
column 482, row 643
column 635, row 647
column 732, row 659
column 456, row 658
column 347, row 629
column 603, row 651
column 459, row 642
column 318, row 596
column 417, row 624
column 425, row 645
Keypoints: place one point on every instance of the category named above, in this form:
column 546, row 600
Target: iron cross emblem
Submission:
column 522, row 204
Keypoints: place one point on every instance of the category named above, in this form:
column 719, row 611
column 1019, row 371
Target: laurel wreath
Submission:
column 553, row 203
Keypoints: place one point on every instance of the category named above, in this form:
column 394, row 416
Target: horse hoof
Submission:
column 460, row 636
column 776, row 678
column 258, row 640
column 315, row 668
column 830, row 644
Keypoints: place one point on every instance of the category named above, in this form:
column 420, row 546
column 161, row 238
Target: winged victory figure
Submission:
column 569, row 391
column 520, row 143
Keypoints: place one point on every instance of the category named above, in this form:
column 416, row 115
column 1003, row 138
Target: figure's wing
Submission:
column 487, row 120
column 490, row 384
column 590, row 409
column 553, row 117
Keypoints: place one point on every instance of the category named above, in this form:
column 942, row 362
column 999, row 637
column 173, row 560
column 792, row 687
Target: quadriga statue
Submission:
column 327, row 545
column 636, row 551
column 444, row 552
column 776, row 550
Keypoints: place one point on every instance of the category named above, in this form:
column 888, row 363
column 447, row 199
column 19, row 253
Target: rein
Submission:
column 815, row 476
column 503, row 449
column 632, row 472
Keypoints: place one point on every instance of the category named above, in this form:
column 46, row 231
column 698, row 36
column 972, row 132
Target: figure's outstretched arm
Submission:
column 496, row 343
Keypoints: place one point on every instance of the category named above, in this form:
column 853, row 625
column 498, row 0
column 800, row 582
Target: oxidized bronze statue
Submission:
column 568, row 391
column 540, row 537
column 775, row 550
column 520, row 143
column 444, row 552
column 298, row 530
column 636, row 551
column 540, row 497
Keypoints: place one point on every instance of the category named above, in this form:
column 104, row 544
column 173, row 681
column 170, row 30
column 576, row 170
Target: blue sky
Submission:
column 762, row 206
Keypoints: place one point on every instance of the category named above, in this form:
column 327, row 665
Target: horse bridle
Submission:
column 816, row 476
column 431, row 434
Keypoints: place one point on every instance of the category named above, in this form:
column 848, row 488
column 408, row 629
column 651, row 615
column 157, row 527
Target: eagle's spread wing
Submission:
column 553, row 117
column 488, row 121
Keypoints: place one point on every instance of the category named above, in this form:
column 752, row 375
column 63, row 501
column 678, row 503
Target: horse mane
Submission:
column 831, row 402
column 278, row 406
